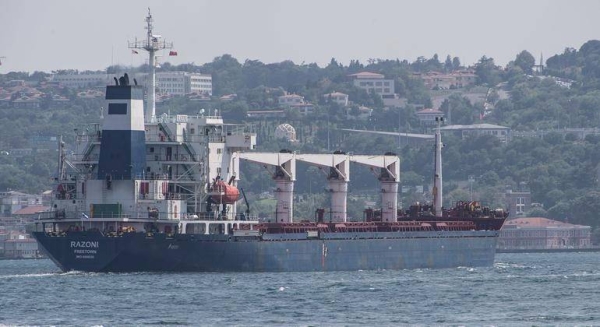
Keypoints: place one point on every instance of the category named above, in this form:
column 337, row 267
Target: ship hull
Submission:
column 130, row 252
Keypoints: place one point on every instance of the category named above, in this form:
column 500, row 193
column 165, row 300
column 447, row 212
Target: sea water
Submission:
column 520, row 289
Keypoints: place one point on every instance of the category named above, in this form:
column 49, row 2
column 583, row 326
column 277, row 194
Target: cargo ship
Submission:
column 142, row 192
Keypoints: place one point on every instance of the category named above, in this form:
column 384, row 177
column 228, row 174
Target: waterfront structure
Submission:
column 537, row 233
column 21, row 248
column 13, row 201
column 518, row 202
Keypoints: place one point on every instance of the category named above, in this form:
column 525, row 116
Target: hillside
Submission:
column 560, row 169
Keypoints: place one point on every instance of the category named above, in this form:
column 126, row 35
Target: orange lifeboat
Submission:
column 224, row 193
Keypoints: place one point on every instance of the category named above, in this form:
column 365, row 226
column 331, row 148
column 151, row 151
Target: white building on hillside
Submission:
column 181, row 83
column 290, row 99
column 337, row 97
column 172, row 83
column 373, row 82
column 201, row 83
column 75, row 81
column 297, row 103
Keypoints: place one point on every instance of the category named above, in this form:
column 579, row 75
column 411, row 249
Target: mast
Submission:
column 437, row 177
column 62, row 174
column 152, row 45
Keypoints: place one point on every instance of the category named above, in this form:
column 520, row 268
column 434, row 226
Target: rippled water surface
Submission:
column 520, row 289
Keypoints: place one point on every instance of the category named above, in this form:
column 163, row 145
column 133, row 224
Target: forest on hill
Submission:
column 560, row 169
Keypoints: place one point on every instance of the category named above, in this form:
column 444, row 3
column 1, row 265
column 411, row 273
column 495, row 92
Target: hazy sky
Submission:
column 46, row 35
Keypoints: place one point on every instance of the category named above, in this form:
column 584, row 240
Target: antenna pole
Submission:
column 437, row 177
column 152, row 45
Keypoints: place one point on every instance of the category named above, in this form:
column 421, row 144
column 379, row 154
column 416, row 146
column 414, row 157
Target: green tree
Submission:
column 226, row 74
column 585, row 209
column 456, row 63
column 448, row 64
column 536, row 212
column 525, row 61
column 487, row 72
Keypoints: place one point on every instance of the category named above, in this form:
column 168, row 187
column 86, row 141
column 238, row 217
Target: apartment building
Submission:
column 373, row 82
column 172, row 83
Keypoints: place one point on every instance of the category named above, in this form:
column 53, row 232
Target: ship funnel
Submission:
column 123, row 147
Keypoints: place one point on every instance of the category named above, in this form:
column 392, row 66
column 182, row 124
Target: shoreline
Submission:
column 593, row 249
column 12, row 258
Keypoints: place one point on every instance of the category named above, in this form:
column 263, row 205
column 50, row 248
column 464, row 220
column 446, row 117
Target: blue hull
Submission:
column 131, row 252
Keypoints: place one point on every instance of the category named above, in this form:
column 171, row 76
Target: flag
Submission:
column 134, row 52
column 172, row 53
column 84, row 216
